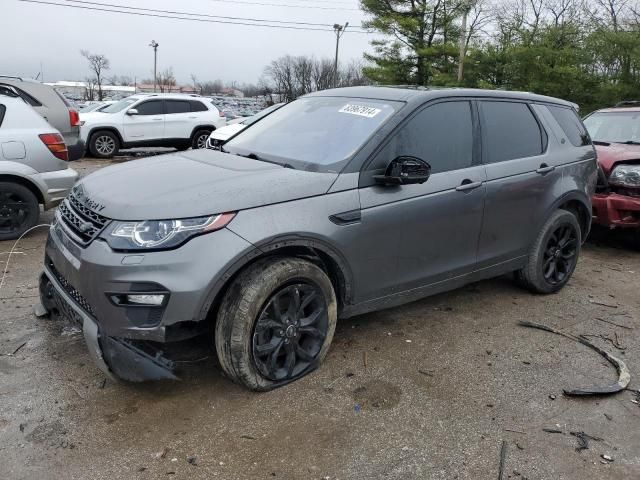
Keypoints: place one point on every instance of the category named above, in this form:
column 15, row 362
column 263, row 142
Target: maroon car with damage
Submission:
column 616, row 136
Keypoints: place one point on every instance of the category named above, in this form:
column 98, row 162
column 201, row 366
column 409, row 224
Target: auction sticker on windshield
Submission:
column 360, row 110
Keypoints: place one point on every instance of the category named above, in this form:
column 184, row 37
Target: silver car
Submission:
column 34, row 168
column 339, row 203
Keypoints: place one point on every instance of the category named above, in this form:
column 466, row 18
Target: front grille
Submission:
column 79, row 299
column 81, row 221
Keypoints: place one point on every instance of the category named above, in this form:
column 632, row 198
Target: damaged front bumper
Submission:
column 615, row 210
column 118, row 358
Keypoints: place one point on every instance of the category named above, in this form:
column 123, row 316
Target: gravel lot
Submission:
column 447, row 380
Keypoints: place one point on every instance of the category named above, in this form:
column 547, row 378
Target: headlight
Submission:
column 161, row 234
column 625, row 176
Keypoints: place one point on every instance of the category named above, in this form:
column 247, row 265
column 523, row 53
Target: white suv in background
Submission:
column 151, row 120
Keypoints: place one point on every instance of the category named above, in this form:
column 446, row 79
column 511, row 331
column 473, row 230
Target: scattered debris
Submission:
column 520, row 447
column 142, row 469
column 614, row 341
column 503, row 458
column 349, row 374
column 608, row 458
column 408, row 341
column 603, row 304
column 425, row 372
column 583, row 440
column 192, row 461
column 552, row 397
column 162, row 453
column 103, row 383
column 552, row 430
column 608, row 417
column 17, row 349
column 613, row 323
column 22, row 425
column 364, row 359
column 489, row 352
column 624, row 376
column 515, row 431
column 248, row 437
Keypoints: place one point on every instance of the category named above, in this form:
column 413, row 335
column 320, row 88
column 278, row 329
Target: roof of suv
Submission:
column 406, row 94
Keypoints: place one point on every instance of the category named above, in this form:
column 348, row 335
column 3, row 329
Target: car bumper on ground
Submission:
column 130, row 337
column 615, row 210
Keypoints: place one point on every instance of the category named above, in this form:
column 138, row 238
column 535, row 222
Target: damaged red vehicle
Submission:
column 616, row 136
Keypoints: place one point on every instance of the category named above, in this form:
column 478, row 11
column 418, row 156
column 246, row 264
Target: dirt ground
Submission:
column 447, row 380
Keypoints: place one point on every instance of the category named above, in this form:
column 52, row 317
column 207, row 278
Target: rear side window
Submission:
column 151, row 107
column 441, row 135
column 510, row 131
column 3, row 109
column 571, row 125
column 197, row 106
column 177, row 106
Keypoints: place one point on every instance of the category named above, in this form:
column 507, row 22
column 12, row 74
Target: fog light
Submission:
column 145, row 299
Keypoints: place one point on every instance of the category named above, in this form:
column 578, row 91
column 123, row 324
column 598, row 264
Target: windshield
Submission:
column 121, row 105
column 262, row 114
column 616, row 127
column 90, row 108
column 317, row 134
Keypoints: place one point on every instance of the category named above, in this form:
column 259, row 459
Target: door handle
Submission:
column 192, row 118
column 157, row 119
column 544, row 169
column 468, row 185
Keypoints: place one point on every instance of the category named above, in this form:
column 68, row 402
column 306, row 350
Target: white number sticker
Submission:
column 360, row 110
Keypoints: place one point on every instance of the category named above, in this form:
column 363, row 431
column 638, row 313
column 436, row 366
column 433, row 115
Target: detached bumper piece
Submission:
column 118, row 358
column 615, row 210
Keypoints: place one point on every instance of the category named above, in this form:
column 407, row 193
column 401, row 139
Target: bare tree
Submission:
column 166, row 80
column 98, row 64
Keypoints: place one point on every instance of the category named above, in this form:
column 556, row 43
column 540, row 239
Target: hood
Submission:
column 609, row 156
column 90, row 116
column 225, row 133
column 196, row 183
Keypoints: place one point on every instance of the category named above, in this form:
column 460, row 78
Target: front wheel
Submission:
column 276, row 323
column 554, row 254
column 104, row 144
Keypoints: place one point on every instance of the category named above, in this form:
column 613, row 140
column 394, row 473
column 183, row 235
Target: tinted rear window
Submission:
column 197, row 106
column 509, row 131
column 177, row 106
column 571, row 125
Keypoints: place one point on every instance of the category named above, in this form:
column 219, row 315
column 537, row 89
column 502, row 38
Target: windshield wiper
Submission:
column 601, row 143
column 630, row 142
column 253, row 156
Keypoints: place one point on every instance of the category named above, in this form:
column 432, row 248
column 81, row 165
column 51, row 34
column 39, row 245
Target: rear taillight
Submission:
column 55, row 144
column 74, row 118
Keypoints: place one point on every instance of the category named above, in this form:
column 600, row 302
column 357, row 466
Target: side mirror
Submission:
column 405, row 171
column 133, row 111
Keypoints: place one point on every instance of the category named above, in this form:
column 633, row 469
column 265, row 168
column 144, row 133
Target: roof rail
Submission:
column 628, row 103
column 11, row 76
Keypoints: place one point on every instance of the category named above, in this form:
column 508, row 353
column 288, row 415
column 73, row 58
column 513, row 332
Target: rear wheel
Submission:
column 19, row 210
column 554, row 254
column 199, row 139
column 276, row 323
column 104, row 144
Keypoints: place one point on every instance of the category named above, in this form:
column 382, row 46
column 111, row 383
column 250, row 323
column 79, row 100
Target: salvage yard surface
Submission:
column 432, row 390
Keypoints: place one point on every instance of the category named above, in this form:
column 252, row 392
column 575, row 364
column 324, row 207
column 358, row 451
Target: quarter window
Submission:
column 571, row 125
column 510, row 131
column 197, row 106
column 177, row 106
column 151, row 107
column 441, row 135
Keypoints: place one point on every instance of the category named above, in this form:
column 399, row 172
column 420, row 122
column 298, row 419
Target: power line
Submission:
column 175, row 12
column 172, row 17
column 286, row 5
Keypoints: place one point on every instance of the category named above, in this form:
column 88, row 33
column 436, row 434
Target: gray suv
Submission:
column 340, row 203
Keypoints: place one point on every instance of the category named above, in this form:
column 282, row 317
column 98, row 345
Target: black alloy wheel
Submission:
column 290, row 331
column 19, row 210
column 561, row 254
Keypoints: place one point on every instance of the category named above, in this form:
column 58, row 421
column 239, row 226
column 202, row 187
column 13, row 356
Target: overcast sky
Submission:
column 32, row 33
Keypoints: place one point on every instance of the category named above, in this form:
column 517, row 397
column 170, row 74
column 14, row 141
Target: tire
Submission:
column 554, row 254
column 199, row 139
column 19, row 210
column 104, row 144
column 247, row 337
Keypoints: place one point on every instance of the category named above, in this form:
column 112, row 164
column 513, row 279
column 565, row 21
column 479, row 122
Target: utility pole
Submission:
column 463, row 41
column 339, row 31
column 155, row 46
